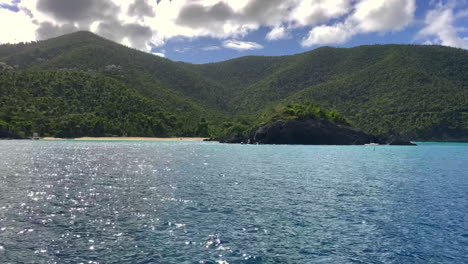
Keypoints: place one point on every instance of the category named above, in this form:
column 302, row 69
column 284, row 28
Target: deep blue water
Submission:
column 198, row 202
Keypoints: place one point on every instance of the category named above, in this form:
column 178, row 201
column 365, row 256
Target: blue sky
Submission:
column 201, row 31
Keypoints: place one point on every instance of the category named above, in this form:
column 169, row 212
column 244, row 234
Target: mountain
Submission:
column 155, row 83
column 71, row 104
column 417, row 92
column 414, row 92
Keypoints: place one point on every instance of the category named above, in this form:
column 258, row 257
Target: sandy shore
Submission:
column 131, row 138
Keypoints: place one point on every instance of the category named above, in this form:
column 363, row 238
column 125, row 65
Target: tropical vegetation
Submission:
column 81, row 84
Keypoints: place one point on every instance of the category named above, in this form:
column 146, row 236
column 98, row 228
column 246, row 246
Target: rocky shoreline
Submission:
column 310, row 132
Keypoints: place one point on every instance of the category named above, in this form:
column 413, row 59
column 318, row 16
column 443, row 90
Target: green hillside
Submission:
column 150, row 75
column 417, row 92
column 74, row 104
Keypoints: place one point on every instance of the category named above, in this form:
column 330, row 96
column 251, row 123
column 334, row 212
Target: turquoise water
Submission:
column 203, row 202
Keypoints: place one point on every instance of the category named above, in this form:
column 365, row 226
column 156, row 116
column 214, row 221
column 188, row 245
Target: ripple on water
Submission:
column 206, row 203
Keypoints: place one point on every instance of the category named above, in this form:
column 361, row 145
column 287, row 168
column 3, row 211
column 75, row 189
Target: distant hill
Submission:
column 416, row 92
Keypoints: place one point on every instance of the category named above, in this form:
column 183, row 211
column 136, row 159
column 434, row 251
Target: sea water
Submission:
column 203, row 202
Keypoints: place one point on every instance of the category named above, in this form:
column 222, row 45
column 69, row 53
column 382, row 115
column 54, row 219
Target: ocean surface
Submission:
column 203, row 202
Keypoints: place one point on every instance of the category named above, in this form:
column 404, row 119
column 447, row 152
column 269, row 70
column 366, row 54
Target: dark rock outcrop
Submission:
column 309, row 132
column 232, row 139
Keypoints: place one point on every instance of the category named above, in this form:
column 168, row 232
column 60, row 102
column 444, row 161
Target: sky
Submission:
column 202, row 31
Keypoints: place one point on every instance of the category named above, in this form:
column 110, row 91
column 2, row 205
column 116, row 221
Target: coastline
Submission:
column 129, row 138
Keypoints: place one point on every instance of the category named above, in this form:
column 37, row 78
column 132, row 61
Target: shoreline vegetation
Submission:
column 82, row 85
column 194, row 139
column 129, row 138
column 303, row 124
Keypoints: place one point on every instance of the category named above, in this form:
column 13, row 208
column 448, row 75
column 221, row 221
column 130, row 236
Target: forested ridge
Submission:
column 70, row 104
column 83, row 85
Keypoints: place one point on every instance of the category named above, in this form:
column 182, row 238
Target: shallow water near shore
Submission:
column 204, row 202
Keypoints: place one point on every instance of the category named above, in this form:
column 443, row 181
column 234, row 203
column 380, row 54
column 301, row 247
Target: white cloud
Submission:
column 16, row 27
column 277, row 33
column 145, row 24
column 323, row 35
column 241, row 45
column 384, row 15
column 313, row 12
column 119, row 20
column 160, row 54
column 368, row 16
column 440, row 24
column 430, row 42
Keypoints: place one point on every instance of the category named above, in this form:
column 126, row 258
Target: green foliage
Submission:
column 244, row 125
column 72, row 104
column 203, row 128
column 234, row 130
column 418, row 92
column 305, row 111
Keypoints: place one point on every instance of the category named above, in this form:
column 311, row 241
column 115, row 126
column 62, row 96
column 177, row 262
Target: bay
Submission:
column 204, row 202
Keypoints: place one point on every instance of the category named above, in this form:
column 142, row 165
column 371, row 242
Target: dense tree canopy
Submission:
column 82, row 84
column 72, row 104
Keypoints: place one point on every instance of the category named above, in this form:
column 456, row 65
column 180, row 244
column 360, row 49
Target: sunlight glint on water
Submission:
column 194, row 202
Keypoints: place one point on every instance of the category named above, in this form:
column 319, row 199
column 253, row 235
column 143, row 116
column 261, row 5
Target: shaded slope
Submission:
column 239, row 73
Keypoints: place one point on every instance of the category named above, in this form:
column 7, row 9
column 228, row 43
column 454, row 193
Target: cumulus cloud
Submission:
column 141, row 8
column 197, row 15
column 313, row 12
column 146, row 24
column 440, row 25
column 225, row 19
column 47, row 30
column 384, row 15
column 323, row 35
column 266, row 12
column 16, row 27
column 276, row 33
column 368, row 16
column 118, row 20
column 81, row 11
column 241, row 45
column 137, row 35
